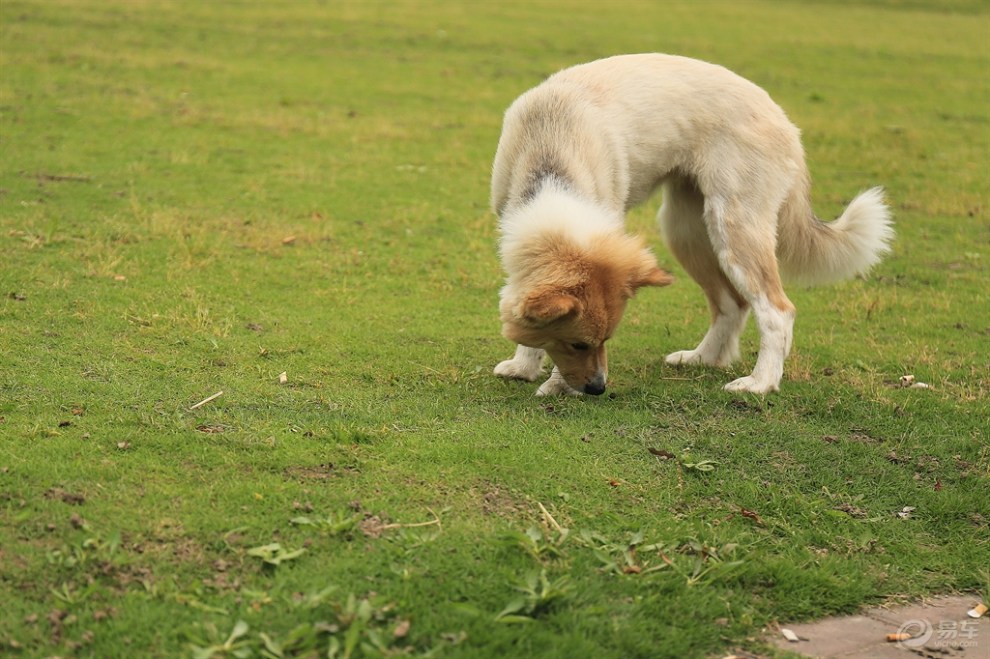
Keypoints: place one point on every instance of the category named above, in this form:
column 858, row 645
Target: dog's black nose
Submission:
column 595, row 388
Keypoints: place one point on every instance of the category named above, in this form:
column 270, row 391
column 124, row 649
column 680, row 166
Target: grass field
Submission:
column 196, row 197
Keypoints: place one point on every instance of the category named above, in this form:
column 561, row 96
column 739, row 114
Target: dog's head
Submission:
column 570, row 302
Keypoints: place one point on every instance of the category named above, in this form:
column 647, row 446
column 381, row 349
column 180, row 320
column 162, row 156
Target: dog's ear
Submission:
column 544, row 307
column 648, row 273
column 653, row 277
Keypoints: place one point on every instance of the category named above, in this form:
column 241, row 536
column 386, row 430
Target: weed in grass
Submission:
column 352, row 628
column 340, row 523
column 536, row 543
column 91, row 550
column 623, row 557
column 704, row 562
column 274, row 554
column 539, row 595
column 210, row 642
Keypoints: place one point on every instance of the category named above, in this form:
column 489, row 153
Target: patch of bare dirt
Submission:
column 320, row 472
column 71, row 498
column 497, row 501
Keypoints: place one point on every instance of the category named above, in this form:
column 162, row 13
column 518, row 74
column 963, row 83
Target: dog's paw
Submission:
column 698, row 357
column 684, row 358
column 751, row 385
column 557, row 386
column 518, row 370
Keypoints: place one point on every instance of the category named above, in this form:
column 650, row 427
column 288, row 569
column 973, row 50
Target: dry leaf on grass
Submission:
column 402, row 629
column 749, row 514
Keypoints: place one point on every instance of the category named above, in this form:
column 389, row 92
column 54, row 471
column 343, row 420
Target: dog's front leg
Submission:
column 776, row 323
column 556, row 385
column 526, row 364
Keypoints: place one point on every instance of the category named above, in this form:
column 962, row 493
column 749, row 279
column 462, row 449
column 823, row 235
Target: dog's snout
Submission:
column 595, row 387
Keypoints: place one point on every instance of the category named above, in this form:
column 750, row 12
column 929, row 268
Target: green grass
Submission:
column 196, row 197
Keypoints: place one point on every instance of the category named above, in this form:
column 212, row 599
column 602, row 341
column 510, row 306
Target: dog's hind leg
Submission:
column 745, row 244
column 526, row 364
column 683, row 227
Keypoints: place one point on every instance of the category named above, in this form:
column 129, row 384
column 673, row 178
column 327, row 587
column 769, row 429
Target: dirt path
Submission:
column 935, row 629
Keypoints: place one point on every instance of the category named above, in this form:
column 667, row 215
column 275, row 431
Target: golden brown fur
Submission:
column 574, row 301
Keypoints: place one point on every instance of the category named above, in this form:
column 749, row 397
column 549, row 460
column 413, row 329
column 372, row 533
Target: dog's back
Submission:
column 646, row 116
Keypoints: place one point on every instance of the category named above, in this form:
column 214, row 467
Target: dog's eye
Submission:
column 580, row 347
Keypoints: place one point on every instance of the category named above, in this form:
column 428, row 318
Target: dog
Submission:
column 592, row 141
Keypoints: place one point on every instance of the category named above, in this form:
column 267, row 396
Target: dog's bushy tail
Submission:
column 813, row 252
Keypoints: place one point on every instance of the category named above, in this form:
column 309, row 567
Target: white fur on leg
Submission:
column 720, row 347
column 776, row 332
column 556, row 385
column 526, row 364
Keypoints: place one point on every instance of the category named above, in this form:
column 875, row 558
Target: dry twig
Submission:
column 206, row 400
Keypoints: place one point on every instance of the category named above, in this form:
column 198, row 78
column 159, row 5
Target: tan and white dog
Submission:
column 579, row 150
